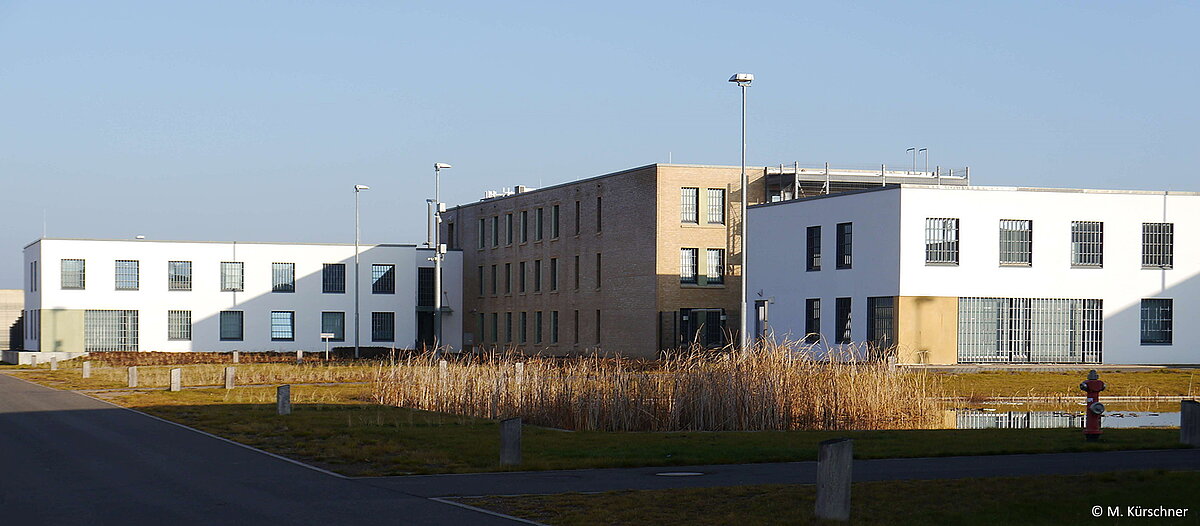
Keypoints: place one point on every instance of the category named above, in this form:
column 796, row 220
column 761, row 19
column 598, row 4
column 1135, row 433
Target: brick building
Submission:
column 631, row 262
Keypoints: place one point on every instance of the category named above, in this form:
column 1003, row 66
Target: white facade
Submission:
column 889, row 259
column 56, row 312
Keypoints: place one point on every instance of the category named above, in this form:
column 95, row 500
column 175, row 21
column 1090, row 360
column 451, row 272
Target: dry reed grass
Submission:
column 767, row 387
column 245, row 374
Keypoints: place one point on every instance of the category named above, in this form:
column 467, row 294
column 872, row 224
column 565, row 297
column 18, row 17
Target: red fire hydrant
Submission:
column 1093, row 385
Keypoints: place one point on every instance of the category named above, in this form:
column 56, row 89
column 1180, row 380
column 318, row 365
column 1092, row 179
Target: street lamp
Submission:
column 357, row 188
column 438, row 251
column 914, row 152
column 743, row 81
column 926, row 152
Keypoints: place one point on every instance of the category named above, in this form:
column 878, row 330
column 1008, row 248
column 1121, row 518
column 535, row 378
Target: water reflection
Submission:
column 1000, row 419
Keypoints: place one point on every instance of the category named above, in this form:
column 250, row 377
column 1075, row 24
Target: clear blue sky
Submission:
column 252, row 120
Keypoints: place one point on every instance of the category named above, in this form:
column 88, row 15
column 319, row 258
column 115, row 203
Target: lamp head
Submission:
column 361, row 187
column 441, row 166
column 909, row 150
column 742, row 79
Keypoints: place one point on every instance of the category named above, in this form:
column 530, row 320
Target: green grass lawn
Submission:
column 1161, row 382
column 1010, row 500
column 339, row 428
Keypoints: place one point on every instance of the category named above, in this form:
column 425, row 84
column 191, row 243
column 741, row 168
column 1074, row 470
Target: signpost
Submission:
column 327, row 336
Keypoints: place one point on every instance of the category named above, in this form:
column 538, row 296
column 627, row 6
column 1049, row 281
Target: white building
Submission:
column 983, row 274
column 85, row 295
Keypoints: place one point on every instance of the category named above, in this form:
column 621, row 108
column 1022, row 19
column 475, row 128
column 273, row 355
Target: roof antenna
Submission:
column 669, row 158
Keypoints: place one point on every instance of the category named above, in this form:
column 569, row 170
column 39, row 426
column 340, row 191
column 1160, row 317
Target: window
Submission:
column 482, row 282
column 508, row 228
column 716, row 206
column 599, row 213
column 231, row 276
column 537, row 275
column 554, row 222
column 597, row 326
column 553, row 274
column 941, row 241
column 495, row 282
column 451, row 239
column 1016, row 242
column 553, row 326
column 479, row 319
column 127, row 274
column 716, row 266
column 575, row 330
column 73, row 275
column 521, row 278
column 1030, row 330
column 813, row 258
column 599, row 275
column 508, row 327
column 383, row 326
column 1157, row 319
column 508, row 278
column 179, row 325
column 538, row 225
column 524, row 226
column 283, row 326
column 687, row 265
column 33, row 281
column 524, row 326
column 577, row 207
column 881, row 322
column 812, row 320
column 333, row 278
column 105, row 330
column 537, row 327
column 495, row 327
column 283, row 277
column 495, row 231
column 425, row 288
column 1158, row 245
column 232, row 325
column 179, row 275
column 1087, row 244
column 845, row 245
column 689, row 205
column 334, row 323
column 383, row 279
column 482, row 234
column 577, row 272
column 842, row 321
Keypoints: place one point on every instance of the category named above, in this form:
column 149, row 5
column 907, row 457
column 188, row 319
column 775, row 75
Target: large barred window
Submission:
column 232, row 325
column 334, row 323
column 283, row 277
column 813, row 242
column 1157, row 321
column 1087, row 244
column 845, row 245
column 1158, row 245
column 179, row 325
column 941, row 241
column 842, row 329
column 812, row 320
column 716, row 206
column 73, row 275
column 127, row 274
column 1030, row 330
column 383, row 279
column 881, row 322
column 383, row 327
column 687, row 265
column 1016, row 242
column 715, row 271
column 110, row 330
column 689, row 205
column 232, row 276
column 333, row 278
column 283, row 326
column 179, row 275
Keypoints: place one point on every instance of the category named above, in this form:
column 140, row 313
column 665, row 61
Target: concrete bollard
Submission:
column 87, row 369
column 235, row 357
column 510, row 442
column 33, row 360
column 299, row 356
column 443, row 370
column 283, row 399
column 835, row 460
column 520, row 366
column 53, row 363
column 133, row 377
column 229, row 377
column 1189, row 422
column 176, row 379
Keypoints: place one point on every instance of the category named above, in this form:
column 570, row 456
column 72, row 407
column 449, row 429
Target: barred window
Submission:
column 1016, row 242
column 127, row 274
column 1087, row 244
column 232, row 325
column 716, row 266
column 1047, row 330
column 941, row 241
column 689, row 205
column 283, row 326
column 813, row 249
column 425, row 292
column 334, row 323
column 1157, row 318
column 106, row 330
column 333, row 278
column 383, row 326
column 1158, row 245
column 383, row 279
column 687, row 265
column 843, row 333
column 73, row 275
column 845, row 245
column 232, row 279
column 881, row 322
column 812, row 320
column 716, row 206
column 283, row 277
column 179, row 325
column 179, row 275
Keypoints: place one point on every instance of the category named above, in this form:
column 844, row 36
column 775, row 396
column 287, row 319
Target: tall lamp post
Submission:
column 357, row 189
column 438, row 251
column 743, row 81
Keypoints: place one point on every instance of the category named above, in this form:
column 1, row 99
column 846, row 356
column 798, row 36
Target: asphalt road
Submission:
column 69, row 459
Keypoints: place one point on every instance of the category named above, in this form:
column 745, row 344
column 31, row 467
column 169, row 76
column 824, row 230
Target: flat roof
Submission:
column 955, row 188
column 401, row 245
